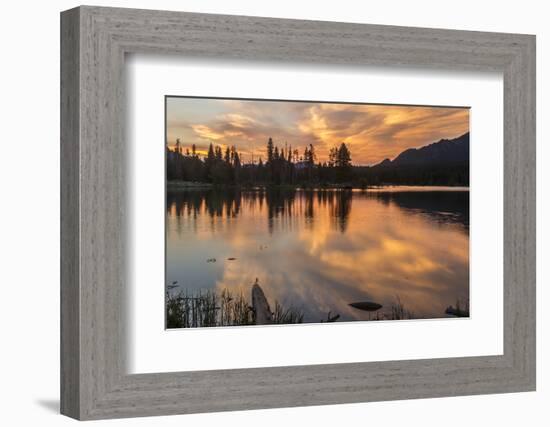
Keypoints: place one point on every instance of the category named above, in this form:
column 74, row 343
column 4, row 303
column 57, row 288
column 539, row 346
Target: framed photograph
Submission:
column 262, row 213
column 307, row 228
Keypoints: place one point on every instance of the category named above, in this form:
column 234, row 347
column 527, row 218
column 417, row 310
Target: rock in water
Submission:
column 457, row 312
column 366, row 305
column 262, row 312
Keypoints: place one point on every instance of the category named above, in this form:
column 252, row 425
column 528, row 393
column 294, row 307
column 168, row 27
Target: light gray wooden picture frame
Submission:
column 94, row 42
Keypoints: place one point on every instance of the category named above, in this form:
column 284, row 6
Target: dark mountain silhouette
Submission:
column 446, row 151
column 445, row 162
column 385, row 162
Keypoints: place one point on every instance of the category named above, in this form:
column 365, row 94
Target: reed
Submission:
column 209, row 308
column 398, row 311
column 289, row 315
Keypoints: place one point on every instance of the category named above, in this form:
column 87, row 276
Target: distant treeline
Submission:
column 285, row 166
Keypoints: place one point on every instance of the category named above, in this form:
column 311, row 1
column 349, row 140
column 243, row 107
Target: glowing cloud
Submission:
column 373, row 132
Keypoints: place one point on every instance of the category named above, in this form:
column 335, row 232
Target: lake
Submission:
column 320, row 250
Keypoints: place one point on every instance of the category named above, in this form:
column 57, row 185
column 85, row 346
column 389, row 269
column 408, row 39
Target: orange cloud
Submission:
column 373, row 132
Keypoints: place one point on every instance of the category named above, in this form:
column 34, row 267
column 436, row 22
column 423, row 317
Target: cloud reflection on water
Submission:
column 321, row 250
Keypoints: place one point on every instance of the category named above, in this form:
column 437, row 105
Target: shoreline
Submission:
column 189, row 185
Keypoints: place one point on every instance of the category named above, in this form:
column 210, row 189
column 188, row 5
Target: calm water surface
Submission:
column 320, row 250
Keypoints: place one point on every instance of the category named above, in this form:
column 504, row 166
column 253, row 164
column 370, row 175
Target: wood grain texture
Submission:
column 94, row 235
column 70, row 259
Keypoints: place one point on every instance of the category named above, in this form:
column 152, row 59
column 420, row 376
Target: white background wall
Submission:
column 29, row 213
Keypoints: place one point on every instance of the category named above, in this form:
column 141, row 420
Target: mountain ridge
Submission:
column 444, row 151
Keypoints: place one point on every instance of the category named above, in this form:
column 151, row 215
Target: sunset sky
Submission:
column 372, row 132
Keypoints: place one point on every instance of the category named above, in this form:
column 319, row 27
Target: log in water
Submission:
column 262, row 311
